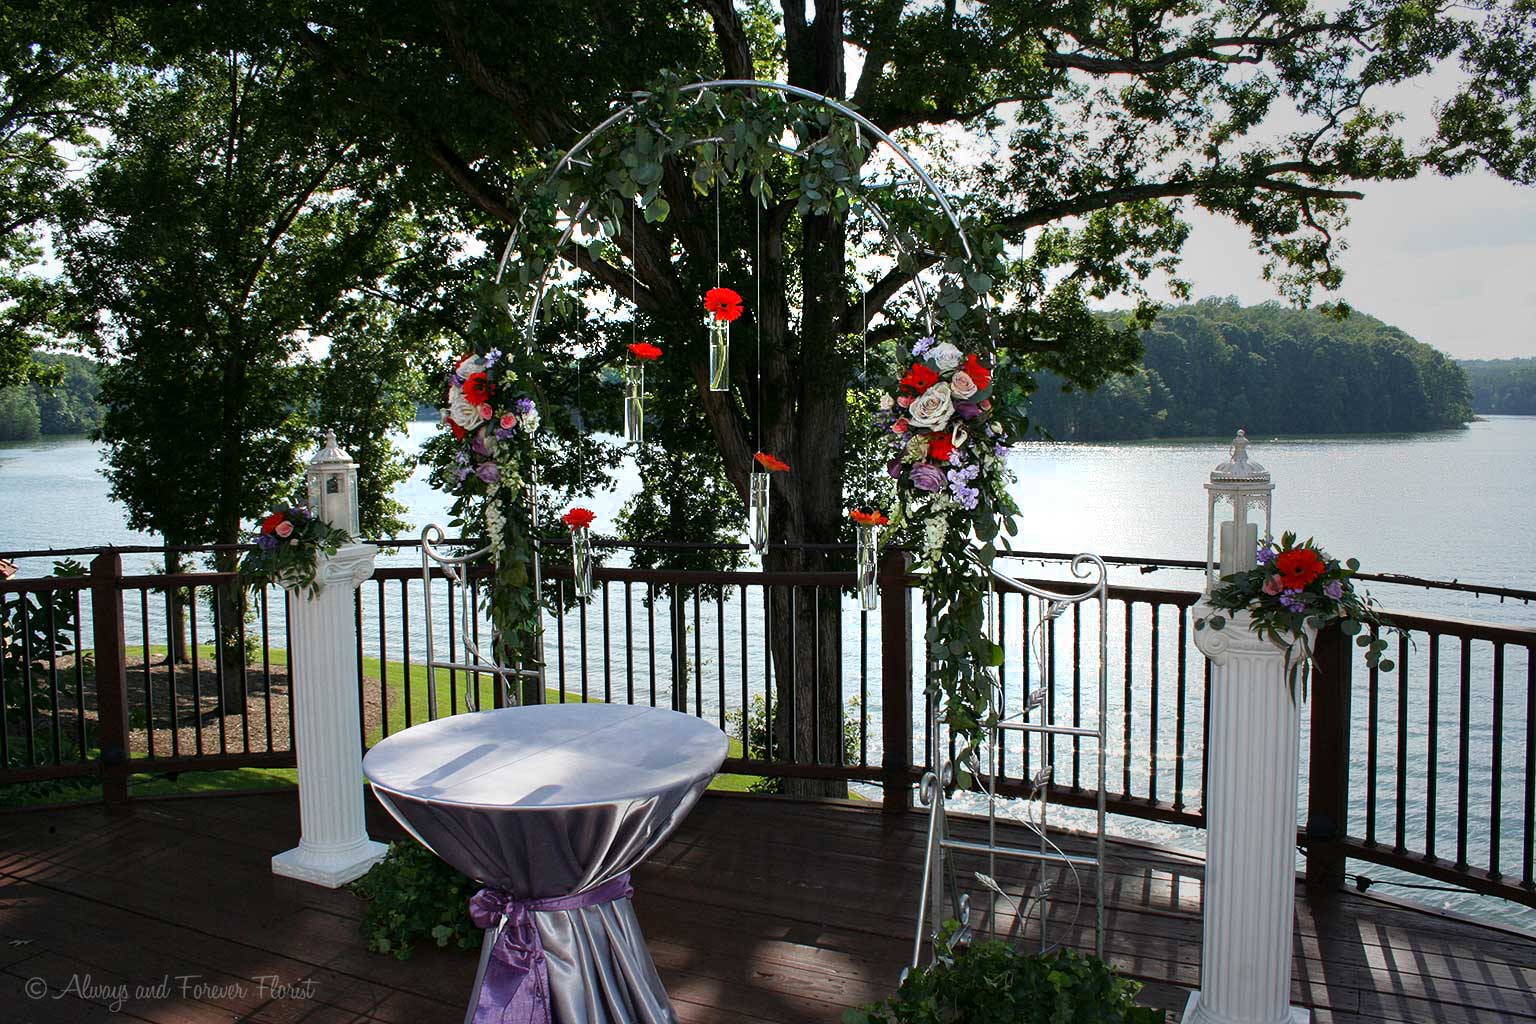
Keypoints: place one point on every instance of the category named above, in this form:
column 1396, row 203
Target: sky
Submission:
column 1450, row 261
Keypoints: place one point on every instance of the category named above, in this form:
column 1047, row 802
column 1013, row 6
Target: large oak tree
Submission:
column 1074, row 137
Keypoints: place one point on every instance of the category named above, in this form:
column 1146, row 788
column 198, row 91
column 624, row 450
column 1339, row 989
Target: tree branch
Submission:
column 731, row 38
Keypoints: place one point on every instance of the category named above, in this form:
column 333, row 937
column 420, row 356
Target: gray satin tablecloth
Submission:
column 555, row 800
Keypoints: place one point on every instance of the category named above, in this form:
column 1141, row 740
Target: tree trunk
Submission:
column 176, row 612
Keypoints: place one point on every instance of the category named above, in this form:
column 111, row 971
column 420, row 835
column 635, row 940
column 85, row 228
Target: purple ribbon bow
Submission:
column 515, row 989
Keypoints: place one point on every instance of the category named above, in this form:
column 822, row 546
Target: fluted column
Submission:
column 1250, row 808
column 334, row 847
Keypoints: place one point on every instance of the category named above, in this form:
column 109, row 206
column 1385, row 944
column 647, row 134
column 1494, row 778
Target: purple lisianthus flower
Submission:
column 1334, row 589
column 926, row 477
column 267, row 542
column 477, row 445
column 1292, row 602
column 893, row 467
column 922, row 345
column 967, row 410
column 489, row 472
column 1266, row 553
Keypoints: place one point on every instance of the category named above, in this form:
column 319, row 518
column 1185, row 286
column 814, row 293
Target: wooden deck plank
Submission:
column 758, row 911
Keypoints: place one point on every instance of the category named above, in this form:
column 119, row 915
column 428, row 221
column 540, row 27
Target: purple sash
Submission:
column 515, row 989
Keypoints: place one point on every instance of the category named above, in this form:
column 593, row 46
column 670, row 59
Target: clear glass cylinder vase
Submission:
column 866, row 565
column 757, row 512
column 719, row 355
column 634, row 402
column 581, row 561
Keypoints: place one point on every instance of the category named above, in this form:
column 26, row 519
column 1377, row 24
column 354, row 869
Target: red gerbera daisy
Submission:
column 724, row 303
column 645, row 350
column 770, row 463
column 270, row 523
column 978, row 373
column 478, row 388
column 872, row 518
column 920, row 378
column 578, row 518
column 940, row 447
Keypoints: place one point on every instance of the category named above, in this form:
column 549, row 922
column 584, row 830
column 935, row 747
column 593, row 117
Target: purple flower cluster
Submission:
column 267, row 542
column 1266, row 553
column 959, row 485
column 523, row 406
column 1292, row 602
column 921, row 346
column 492, row 358
column 1334, row 589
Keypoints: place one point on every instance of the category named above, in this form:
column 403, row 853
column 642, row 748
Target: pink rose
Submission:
column 508, row 421
column 1274, row 585
column 986, row 403
column 283, row 529
column 486, row 412
column 961, row 385
column 900, row 426
column 904, row 401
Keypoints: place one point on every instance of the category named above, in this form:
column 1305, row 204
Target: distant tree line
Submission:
column 1504, row 387
column 1214, row 366
column 40, row 408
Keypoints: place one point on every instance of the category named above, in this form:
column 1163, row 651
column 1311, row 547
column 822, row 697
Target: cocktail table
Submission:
column 550, row 807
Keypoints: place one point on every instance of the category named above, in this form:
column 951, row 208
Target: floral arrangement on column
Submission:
column 949, row 428
column 484, row 462
column 289, row 544
column 1294, row 588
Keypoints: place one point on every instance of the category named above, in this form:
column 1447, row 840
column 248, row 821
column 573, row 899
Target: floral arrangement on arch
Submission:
column 289, row 543
column 949, row 430
column 1294, row 587
column 481, row 463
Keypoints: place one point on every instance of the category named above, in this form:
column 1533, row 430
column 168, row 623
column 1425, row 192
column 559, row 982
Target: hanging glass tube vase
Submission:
column 757, row 513
column 867, row 556
column 581, row 561
column 719, row 355
column 634, row 402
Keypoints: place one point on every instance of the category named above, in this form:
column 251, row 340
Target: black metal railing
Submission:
column 1429, row 769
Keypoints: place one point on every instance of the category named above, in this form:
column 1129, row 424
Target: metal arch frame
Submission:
column 629, row 109
column 938, row 871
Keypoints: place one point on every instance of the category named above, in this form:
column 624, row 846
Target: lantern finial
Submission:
column 1238, row 466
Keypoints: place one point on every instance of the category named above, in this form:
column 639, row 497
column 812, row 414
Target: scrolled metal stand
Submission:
column 1036, row 716
column 474, row 662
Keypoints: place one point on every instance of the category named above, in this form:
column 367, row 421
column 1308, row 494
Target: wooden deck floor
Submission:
column 758, row 910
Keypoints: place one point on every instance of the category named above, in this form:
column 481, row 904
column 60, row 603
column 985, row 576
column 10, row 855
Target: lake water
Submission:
column 1451, row 505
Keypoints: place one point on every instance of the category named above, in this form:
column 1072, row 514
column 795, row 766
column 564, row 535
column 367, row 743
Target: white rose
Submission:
column 886, row 401
column 530, row 421
column 962, row 386
column 932, row 408
column 470, row 366
column 944, row 355
column 462, row 411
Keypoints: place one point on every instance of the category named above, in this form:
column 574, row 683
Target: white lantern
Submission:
column 1238, row 491
column 333, row 487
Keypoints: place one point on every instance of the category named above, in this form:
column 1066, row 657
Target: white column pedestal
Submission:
column 334, row 847
column 1250, row 808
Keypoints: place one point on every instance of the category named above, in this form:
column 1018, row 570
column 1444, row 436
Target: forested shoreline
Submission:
column 1215, row 365
column 68, row 405
column 1502, row 387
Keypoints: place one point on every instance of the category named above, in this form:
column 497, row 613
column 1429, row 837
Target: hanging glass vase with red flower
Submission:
column 866, row 528
column 634, row 390
column 757, row 499
column 580, row 522
column 722, row 306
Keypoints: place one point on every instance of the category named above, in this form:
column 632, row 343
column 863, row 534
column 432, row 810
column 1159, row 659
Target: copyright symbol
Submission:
column 35, row 988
